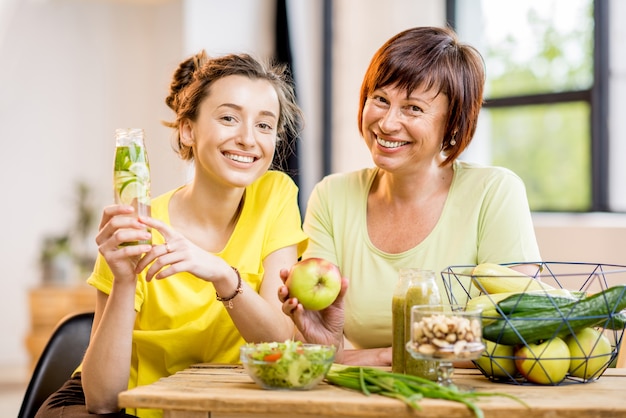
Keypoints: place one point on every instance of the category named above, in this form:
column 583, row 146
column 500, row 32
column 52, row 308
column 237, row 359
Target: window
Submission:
column 545, row 111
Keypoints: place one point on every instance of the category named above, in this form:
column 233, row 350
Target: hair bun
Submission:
column 183, row 76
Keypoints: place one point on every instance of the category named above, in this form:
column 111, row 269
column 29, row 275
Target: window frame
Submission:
column 597, row 97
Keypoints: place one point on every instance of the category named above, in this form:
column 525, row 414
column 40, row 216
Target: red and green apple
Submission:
column 315, row 282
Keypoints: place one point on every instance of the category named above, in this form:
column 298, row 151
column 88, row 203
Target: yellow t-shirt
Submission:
column 485, row 218
column 179, row 321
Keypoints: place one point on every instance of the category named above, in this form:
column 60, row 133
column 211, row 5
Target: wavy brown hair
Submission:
column 193, row 78
column 432, row 58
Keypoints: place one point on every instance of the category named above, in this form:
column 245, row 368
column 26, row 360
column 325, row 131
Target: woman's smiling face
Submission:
column 234, row 135
column 403, row 131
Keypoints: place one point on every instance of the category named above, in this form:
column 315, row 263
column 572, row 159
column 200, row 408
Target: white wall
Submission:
column 223, row 27
column 588, row 237
column 72, row 71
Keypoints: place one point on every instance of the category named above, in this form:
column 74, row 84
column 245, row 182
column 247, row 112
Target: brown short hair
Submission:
column 432, row 57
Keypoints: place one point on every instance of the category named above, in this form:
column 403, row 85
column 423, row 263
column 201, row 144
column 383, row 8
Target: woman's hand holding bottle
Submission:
column 117, row 228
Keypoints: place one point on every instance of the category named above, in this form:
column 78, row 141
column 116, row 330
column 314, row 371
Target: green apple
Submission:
column 546, row 363
column 315, row 282
column 497, row 360
column 591, row 353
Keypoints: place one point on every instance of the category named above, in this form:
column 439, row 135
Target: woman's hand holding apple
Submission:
column 323, row 326
column 315, row 282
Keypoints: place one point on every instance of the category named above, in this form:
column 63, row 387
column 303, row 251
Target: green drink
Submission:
column 414, row 287
column 422, row 289
column 398, row 349
column 131, row 173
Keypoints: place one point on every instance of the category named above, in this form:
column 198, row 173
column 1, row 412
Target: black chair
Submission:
column 62, row 354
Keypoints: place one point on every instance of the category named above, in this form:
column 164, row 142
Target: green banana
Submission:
column 494, row 278
column 486, row 302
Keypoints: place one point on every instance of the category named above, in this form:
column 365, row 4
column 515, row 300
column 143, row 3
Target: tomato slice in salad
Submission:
column 272, row 357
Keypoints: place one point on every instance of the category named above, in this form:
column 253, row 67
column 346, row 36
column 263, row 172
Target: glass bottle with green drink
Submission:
column 131, row 173
column 415, row 287
column 398, row 351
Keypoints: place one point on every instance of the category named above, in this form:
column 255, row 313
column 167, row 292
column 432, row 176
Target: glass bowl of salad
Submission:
column 291, row 365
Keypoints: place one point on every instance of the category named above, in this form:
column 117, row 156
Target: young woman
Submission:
column 420, row 206
column 208, row 282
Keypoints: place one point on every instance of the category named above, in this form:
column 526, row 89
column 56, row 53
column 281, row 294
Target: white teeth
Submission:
column 240, row 158
column 390, row 144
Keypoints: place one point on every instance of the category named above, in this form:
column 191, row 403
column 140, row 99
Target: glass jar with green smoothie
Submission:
column 398, row 350
column 415, row 287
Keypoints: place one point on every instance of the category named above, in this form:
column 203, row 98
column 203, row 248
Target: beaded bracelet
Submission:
column 237, row 291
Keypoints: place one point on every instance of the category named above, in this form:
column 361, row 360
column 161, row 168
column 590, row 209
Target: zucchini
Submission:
column 616, row 322
column 531, row 327
column 526, row 302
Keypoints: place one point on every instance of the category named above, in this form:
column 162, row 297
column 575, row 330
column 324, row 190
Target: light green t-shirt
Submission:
column 485, row 218
column 179, row 321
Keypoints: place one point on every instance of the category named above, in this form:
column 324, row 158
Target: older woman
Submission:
column 420, row 206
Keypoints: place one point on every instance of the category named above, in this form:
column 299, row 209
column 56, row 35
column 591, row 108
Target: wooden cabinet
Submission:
column 48, row 305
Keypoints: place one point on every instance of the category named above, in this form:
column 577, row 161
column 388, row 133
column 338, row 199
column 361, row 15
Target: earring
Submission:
column 453, row 141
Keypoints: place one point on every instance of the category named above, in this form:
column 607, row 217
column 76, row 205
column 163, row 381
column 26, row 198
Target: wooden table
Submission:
column 212, row 391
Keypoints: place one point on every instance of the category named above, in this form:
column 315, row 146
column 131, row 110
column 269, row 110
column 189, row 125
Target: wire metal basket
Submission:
column 570, row 332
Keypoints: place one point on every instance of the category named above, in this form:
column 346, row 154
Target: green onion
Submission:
column 408, row 389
